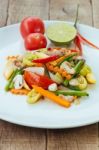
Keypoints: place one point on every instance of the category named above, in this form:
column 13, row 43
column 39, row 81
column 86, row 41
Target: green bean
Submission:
column 68, row 58
column 72, row 93
column 79, row 66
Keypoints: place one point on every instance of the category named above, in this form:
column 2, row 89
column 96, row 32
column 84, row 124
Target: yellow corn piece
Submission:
column 55, row 62
column 57, row 69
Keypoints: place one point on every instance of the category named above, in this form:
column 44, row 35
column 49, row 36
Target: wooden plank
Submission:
column 84, row 138
column 14, row 137
column 95, row 6
column 3, row 12
column 66, row 10
column 18, row 9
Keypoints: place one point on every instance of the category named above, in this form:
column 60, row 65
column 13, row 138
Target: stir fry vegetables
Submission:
column 59, row 73
column 62, row 78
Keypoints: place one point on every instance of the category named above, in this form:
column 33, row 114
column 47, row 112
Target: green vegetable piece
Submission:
column 56, row 77
column 61, row 33
column 10, row 81
column 68, row 58
column 72, row 93
column 27, row 59
column 78, row 83
column 33, row 97
column 85, row 70
column 79, row 66
column 65, row 83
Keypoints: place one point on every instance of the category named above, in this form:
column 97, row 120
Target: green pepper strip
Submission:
column 72, row 93
column 10, row 82
column 67, row 58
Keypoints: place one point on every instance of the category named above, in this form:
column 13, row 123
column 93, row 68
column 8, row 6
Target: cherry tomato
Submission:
column 35, row 79
column 35, row 41
column 31, row 25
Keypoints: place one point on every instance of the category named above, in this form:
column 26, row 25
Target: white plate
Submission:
column 46, row 114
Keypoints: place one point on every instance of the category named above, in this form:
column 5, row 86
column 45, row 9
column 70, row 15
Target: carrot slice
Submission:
column 52, row 96
column 19, row 91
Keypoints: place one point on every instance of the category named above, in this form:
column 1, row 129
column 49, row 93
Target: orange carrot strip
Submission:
column 19, row 91
column 52, row 96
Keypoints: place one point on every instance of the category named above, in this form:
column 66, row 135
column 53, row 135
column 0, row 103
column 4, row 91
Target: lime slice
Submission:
column 61, row 33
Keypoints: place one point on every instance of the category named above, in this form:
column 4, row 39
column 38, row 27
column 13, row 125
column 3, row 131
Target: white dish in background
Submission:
column 46, row 114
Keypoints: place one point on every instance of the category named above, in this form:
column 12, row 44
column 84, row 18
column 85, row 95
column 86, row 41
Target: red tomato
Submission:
column 35, row 41
column 31, row 25
column 35, row 79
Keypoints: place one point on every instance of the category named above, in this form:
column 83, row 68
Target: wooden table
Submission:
column 14, row 137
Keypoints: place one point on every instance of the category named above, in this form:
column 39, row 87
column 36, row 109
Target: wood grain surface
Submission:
column 14, row 137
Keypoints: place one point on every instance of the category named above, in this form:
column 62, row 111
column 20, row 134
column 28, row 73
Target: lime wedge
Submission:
column 61, row 33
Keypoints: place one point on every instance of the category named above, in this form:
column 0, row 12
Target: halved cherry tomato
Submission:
column 35, row 79
column 35, row 41
column 31, row 25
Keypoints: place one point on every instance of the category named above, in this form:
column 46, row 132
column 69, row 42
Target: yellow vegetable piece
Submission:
column 33, row 96
column 85, row 70
column 25, row 85
column 9, row 69
column 90, row 78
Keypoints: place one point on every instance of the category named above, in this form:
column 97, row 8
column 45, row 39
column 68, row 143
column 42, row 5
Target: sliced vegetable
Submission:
column 85, row 70
column 27, row 59
column 78, row 83
column 67, row 66
column 79, row 66
column 38, row 70
column 90, row 78
column 40, row 54
column 52, row 87
column 19, row 91
column 56, row 69
column 56, row 77
column 68, row 58
column 57, row 61
column 33, row 96
column 9, row 84
column 61, row 33
column 25, row 85
column 65, row 83
column 35, row 79
column 9, row 69
column 18, row 81
column 52, row 96
column 46, row 60
column 72, row 93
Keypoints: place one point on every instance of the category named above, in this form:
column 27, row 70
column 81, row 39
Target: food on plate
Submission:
column 58, row 73
column 61, row 33
column 31, row 25
column 35, row 41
